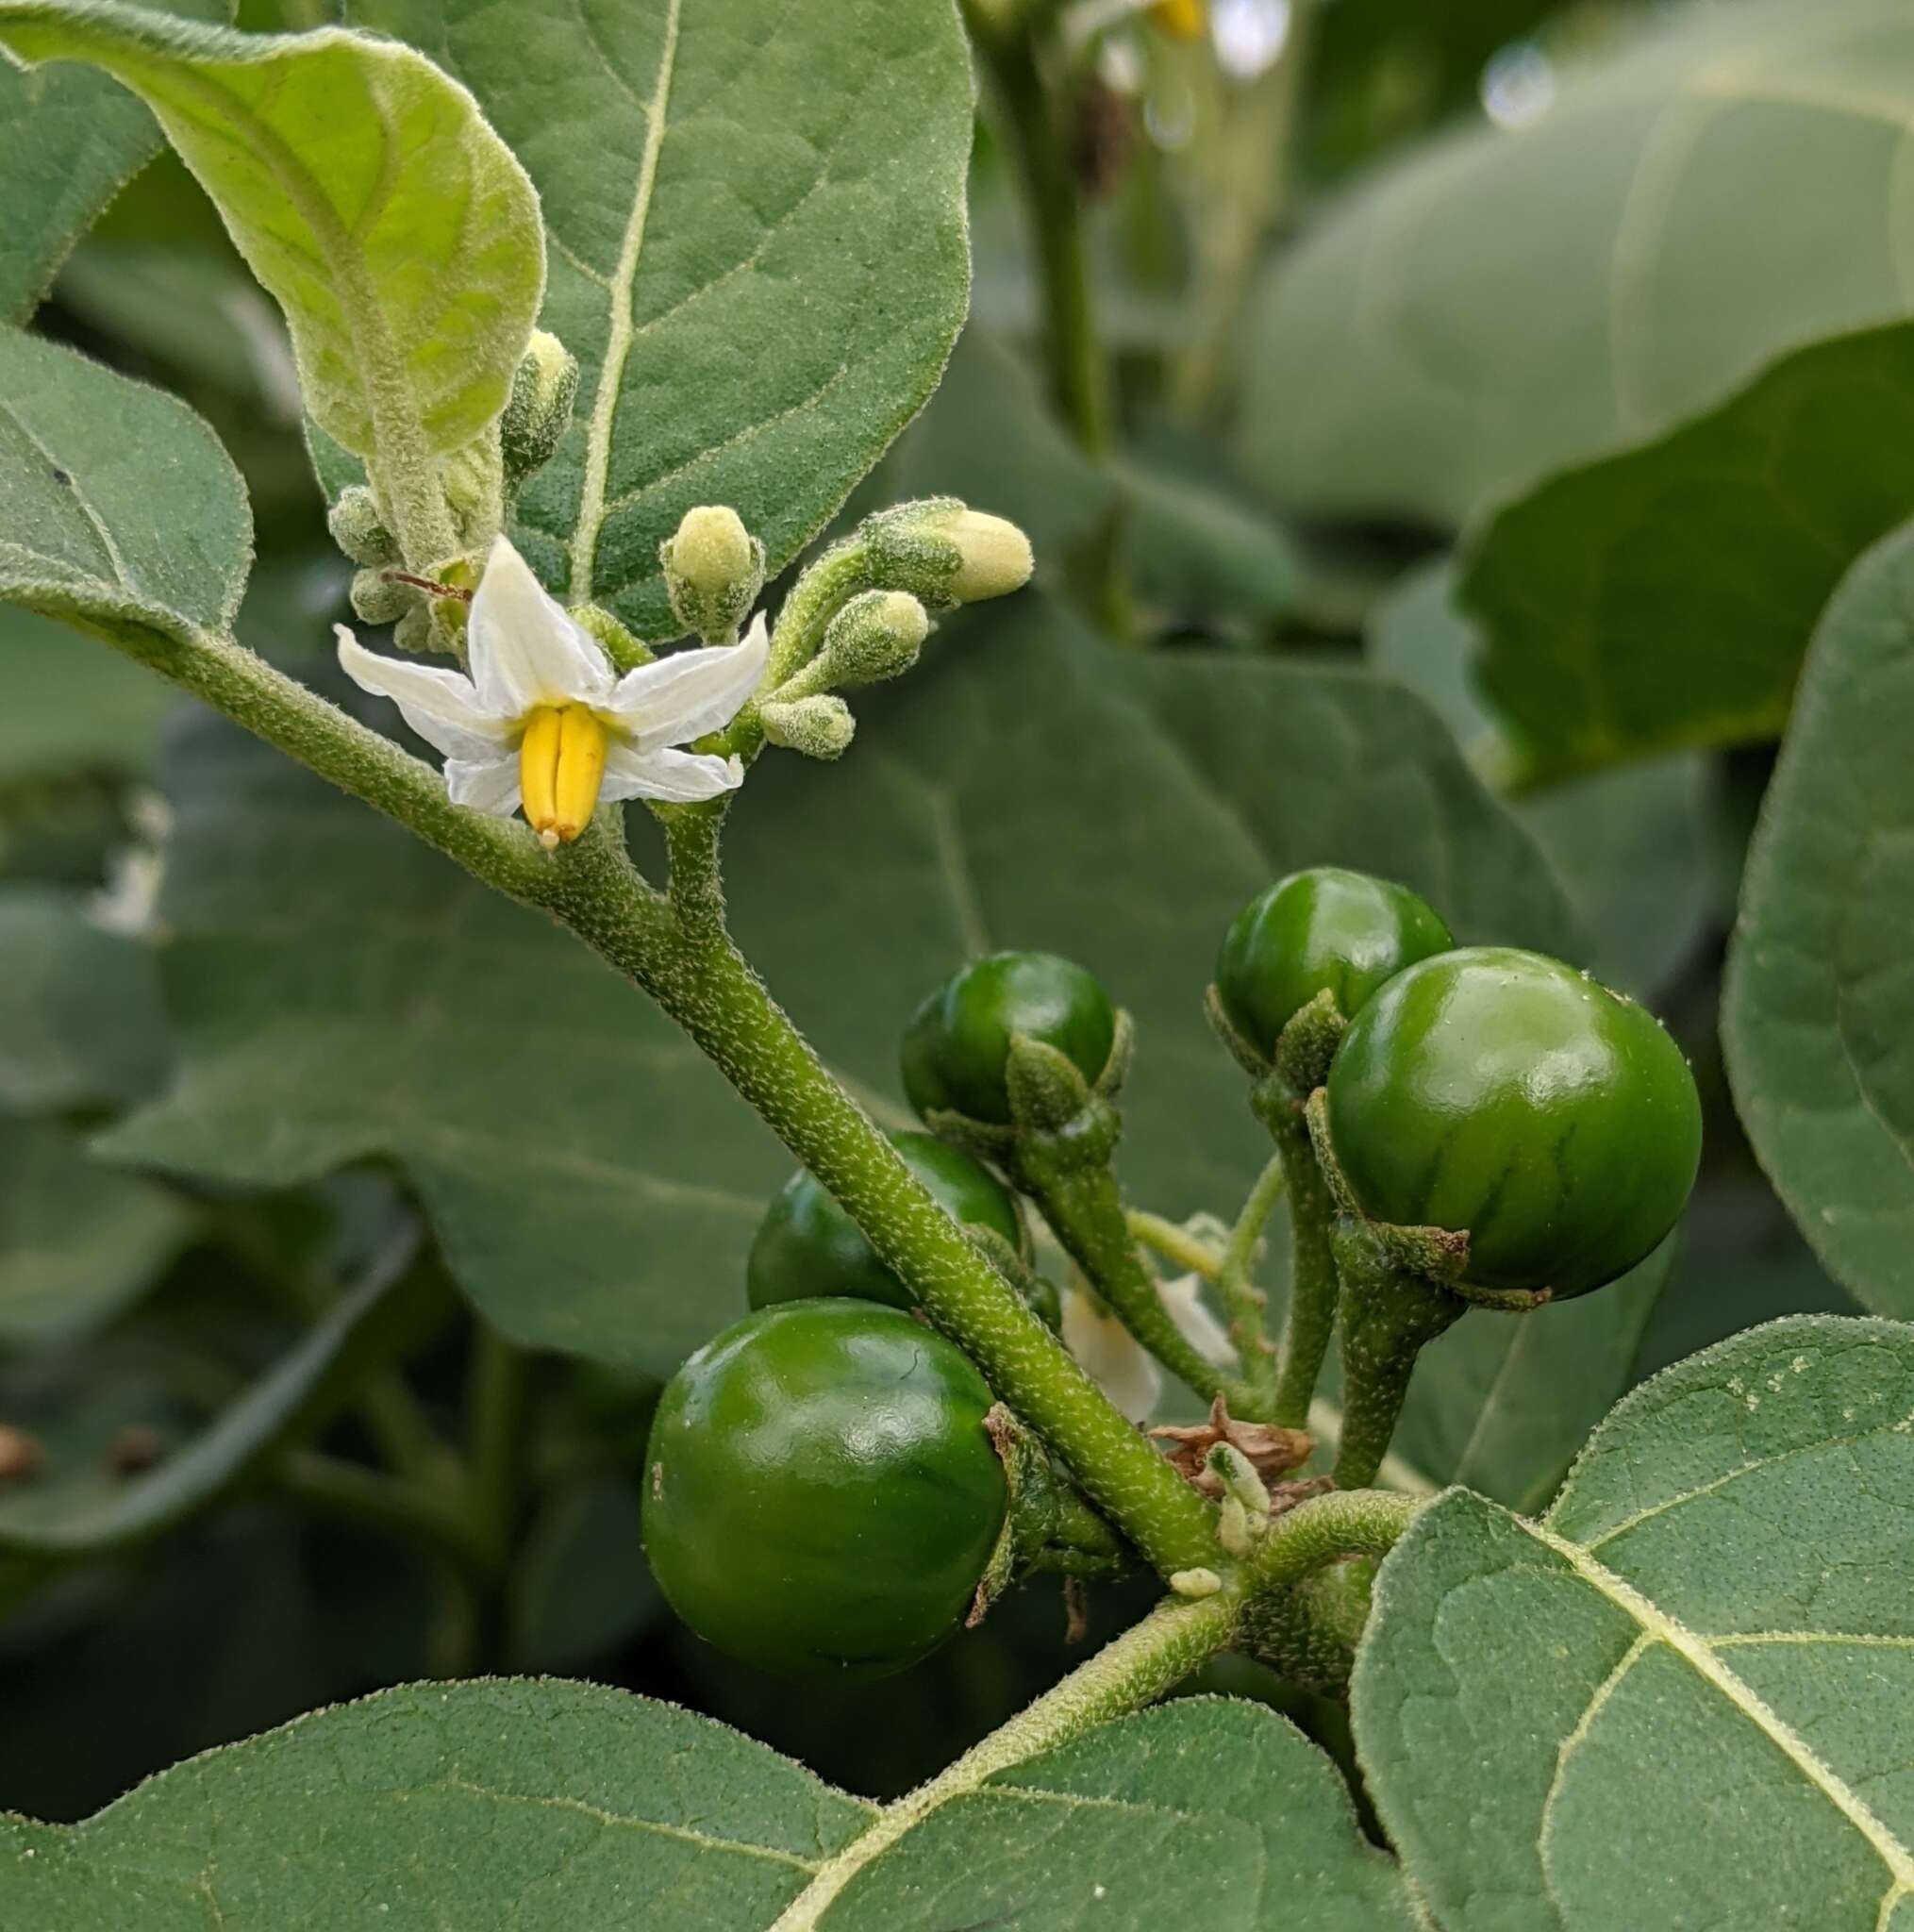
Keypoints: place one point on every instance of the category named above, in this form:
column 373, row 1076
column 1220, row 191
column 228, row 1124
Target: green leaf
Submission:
column 80, row 1018
column 1631, row 847
column 199, row 315
column 1504, row 302
column 1681, row 1699
column 580, row 1587
column 69, row 143
column 81, row 1507
column 1664, row 597
column 1819, row 1009
column 757, row 253
column 118, row 507
column 537, row 1804
column 71, row 708
column 366, row 191
column 78, row 1242
column 541, row 1806
column 1206, row 1813
column 594, row 1182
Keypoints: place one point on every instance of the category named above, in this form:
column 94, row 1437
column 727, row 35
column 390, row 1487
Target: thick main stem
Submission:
column 705, row 985
column 722, row 1004
column 1124, row 1676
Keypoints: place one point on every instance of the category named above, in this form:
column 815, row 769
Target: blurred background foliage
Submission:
column 1397, row 308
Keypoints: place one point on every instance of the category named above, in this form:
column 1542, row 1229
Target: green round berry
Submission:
column 1508, row 1097
column 958, row 1044
column 1324, row 930
column 822, row 1494
column 807, row 1245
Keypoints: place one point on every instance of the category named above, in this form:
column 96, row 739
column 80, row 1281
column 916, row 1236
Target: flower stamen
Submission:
column 561, row 765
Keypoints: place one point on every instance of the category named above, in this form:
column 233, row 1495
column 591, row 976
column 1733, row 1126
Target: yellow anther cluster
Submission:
column 562, row 764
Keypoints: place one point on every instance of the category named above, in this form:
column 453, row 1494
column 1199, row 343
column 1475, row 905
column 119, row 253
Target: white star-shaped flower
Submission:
column 544, row 720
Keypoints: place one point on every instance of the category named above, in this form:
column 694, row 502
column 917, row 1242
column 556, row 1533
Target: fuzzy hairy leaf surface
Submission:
column 1503, row 302
column 759, row 253
column 1702, row 1654
column 366, row 190
column 1819, row 1017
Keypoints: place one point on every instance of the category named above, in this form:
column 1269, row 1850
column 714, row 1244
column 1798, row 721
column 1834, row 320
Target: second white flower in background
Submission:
column 545, row 723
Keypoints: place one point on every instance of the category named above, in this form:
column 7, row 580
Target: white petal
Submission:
column 1198, row 1326
column 440, row 706
column 682, row 778
column 1111, row 1356
column 525, row 652
column 691, row 692
column 485, row 784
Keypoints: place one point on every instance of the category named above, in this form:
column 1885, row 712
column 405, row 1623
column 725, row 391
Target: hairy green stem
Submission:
column 1344, row 1522
column 706, row 985
column 496, row 1410
column 1310, row 1320
column 1387, row 1316
column 1175, row 1244
column 1243, row 1302
column 1037, row 140
column 1148, row 1659
column 1084, row 1211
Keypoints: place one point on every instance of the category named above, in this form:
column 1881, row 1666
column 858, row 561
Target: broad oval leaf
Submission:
column 541, row 1806
column 1206, row 1811
column 593, row 1181
column 71, row 709
column 1663, row 598
column 759, row 252
column 1818, row 1020
column 78, row 1242
column 548, row 1806
column 118, row 506
column 69, row 143
column 81, row 1507
column 1505, row 303
column 1682, row 1698
column 366, row 191
column 81, row 1024
column 1630, row 846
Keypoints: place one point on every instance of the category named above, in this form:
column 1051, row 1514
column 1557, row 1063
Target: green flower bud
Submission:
column 359, row 530
column 538, row 411
column 820, row 726
column 996, row 556
column 946, row 553
column 376, row 599
column 875, row 636
column 415, row 630
column 714, row 569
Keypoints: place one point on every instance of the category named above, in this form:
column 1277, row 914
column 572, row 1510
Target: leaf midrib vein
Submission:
column 619, row 330
column 1697, row 1652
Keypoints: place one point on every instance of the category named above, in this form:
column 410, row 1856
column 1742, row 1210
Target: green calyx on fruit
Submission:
column 959, row 1045
column 1502, row 1097
column 807, row 1246
column 821, row 1493
column 1325, row 930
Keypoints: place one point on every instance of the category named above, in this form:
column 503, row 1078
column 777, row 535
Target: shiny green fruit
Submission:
column 1508, row 1097
column 821, row 1492
column 1324, row 930
column 958, row 1044
column 807, row 1245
